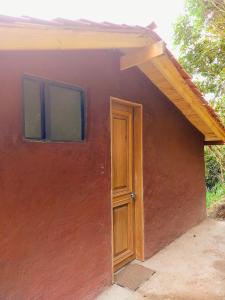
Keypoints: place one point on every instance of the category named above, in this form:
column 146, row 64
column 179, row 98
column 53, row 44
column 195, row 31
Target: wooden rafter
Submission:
column 141, row 56
column 45, row 38
column 158, row 67
column 171, row 74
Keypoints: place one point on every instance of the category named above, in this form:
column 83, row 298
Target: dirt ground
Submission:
column 190, row 268
column 217, row 211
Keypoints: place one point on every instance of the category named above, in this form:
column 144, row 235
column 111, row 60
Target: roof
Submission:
column 83, row 23
column 140, row 46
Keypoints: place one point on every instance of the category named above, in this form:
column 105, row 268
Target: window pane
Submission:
column 63, row 113
column 32, row 109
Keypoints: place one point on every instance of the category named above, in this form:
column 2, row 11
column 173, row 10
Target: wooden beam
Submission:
column 167, row 89
column 141, row 56
column 173, row 76
column 208, row 143
column 51, row 38
column 170, row 74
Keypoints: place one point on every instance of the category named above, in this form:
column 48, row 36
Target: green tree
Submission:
column 199, row 34
column 201, row 41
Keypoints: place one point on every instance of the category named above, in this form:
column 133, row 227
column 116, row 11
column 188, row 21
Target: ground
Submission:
column 217, row 210
column 190, row 268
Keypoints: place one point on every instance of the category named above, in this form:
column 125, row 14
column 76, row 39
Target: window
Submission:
column 32, row 109
column 52, row 111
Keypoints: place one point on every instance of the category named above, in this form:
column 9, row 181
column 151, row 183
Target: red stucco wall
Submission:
column 55, row 224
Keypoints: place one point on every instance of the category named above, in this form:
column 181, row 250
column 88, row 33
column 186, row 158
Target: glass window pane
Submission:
column 32, row 109
column 63, row 113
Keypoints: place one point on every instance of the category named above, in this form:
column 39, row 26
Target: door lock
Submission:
column 133, row 195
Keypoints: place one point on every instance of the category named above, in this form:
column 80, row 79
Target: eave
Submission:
column 60, row 34
column 140, row 47
column 165, row 75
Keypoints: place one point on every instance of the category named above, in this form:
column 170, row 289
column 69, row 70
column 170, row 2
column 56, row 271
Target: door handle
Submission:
column 133, row 195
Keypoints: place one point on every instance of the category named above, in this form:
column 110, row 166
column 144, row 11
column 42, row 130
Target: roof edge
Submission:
column 63, row 34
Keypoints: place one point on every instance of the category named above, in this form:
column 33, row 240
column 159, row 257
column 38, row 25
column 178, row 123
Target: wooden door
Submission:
column 123, row 204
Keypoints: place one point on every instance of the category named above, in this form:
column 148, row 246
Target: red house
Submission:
column 101, row 154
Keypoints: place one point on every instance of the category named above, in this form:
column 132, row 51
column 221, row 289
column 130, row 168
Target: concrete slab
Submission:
column 190, row 268
column 115, row 292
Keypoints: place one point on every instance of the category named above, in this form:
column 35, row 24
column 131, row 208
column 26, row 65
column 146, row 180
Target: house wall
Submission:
column 55, row 214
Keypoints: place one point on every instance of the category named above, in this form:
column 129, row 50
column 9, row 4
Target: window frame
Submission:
column 43, row 83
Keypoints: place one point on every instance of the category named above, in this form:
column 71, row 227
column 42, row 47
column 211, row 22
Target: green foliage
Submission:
column 199, row 35
column 214, row 13
column 215, row 195
column 202, row 48
column 212, row 171
column 214, row 166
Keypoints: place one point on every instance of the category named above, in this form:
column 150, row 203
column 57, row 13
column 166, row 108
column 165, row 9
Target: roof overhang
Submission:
column 160, row 69
column 140, row 47
column 60, row 34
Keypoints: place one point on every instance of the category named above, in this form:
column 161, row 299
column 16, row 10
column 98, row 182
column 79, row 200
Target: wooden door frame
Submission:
column 138, row 175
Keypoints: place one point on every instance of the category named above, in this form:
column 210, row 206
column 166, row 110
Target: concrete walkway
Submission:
column 190, row 268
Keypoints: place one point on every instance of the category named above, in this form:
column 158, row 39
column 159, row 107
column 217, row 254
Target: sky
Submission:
column 131, row 12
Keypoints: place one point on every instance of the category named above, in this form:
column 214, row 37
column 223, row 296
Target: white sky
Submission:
column 132, row 12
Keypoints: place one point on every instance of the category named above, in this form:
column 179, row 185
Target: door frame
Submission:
column 138, row 175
